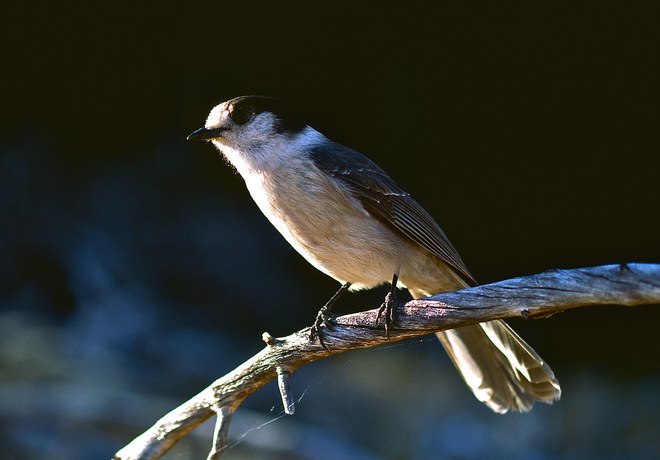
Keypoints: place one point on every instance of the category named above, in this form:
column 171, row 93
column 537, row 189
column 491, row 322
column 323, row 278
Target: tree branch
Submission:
column 536, row 296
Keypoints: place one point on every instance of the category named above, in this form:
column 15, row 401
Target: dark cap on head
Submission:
column 242, row 109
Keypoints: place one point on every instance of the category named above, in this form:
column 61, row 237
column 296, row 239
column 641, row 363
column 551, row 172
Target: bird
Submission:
column 349, row 219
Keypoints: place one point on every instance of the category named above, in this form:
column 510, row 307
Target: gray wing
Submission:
column 387, row 202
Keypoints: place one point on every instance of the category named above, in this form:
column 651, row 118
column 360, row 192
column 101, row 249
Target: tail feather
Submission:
column 499, row 367
column 534, row 372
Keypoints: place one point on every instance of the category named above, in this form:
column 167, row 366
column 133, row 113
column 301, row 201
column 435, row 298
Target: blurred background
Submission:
column 135, row 268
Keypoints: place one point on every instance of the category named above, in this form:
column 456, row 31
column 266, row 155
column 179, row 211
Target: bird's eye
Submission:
column 240, row 116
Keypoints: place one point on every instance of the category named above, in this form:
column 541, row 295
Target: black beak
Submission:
column 204, row 134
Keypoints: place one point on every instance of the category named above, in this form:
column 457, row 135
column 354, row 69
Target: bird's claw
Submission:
column 387, row 311
column 324, row 319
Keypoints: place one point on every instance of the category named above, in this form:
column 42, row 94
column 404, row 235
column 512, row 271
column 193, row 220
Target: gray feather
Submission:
column 503, row 372
column 387, row 202
column 499, row 367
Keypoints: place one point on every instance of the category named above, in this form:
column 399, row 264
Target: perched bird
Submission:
column 350, row 220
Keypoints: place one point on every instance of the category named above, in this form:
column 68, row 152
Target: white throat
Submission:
column 277, row 152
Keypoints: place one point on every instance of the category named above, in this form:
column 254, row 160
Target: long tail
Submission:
column 499, row 367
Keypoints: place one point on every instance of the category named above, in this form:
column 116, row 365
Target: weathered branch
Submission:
column 534, row 296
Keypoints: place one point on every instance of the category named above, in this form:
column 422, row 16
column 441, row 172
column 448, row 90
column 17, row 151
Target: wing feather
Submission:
column 387, row 202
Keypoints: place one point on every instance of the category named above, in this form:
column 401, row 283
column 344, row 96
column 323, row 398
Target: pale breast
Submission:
column 326, row 225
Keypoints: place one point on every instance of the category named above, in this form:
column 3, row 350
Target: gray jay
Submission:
column 350, row 220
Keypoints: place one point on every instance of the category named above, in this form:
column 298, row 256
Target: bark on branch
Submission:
column 536, row 296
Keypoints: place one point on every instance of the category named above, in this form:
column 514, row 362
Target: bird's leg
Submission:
column 324, row 317
column 388, row 308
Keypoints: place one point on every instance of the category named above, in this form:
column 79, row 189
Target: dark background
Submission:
column 135, row 268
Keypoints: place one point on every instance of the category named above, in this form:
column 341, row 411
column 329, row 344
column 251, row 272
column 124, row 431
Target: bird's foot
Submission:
column 387, row 311
column 324, row 319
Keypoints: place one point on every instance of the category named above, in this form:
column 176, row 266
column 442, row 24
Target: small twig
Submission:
column 224, row 415
column 268, row 339
column 283, row 378
column 534, row 296
column 285, row 391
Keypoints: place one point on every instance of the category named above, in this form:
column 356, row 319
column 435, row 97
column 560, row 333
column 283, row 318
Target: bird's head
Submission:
column 249, row 122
